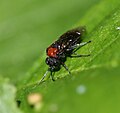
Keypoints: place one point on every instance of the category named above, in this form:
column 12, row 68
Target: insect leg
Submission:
column 66, row 68
column 52, row 76
column 77, row 46
column 73, row 56
column 43, row 77
column 84, row 43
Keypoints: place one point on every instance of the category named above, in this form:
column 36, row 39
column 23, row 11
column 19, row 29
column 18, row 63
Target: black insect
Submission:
column 65, row 46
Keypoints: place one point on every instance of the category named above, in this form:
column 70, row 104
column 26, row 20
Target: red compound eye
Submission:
column 51, row 52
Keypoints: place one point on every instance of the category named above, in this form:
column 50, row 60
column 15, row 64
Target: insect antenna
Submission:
column 41, row 80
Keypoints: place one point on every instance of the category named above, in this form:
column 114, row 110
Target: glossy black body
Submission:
column 66, row 45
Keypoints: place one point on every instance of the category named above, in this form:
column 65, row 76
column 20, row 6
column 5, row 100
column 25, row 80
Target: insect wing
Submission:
column 71, row 37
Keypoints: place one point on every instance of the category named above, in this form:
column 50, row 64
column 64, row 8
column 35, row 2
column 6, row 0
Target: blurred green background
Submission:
column 28, row 27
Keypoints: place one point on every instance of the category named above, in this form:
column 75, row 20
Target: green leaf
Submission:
column 7, row 97
column 94, row 84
